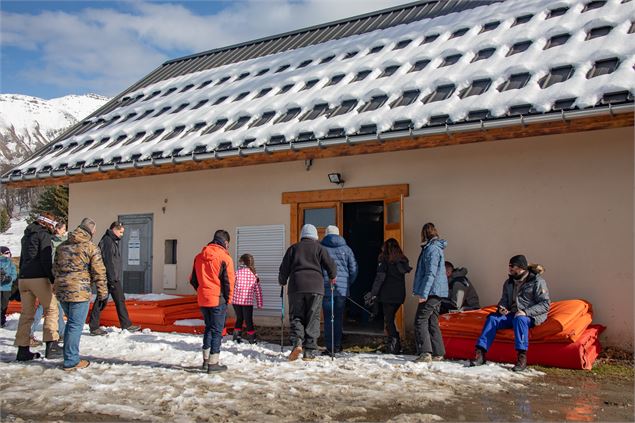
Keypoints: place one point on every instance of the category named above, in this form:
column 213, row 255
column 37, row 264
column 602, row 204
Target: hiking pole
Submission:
column 363, row 308
column 332, row 323
column 281, row 317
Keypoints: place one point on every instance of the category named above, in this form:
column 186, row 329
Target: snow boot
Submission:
column 251, row 337
column 394, row 345
column 236, row 336
column 213, row 365
column 98, row 332
column 53, row 350
column 295, row 353
column 424, row 358
column 309, row 355
column 205, row 359
column 24, row 354
column 133, row 328
column 521, row 362
column 81, row 365
column 479, row 357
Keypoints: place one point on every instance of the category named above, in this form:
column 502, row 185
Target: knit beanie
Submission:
column 309, row 231
column 332, row 230
column 519, row 261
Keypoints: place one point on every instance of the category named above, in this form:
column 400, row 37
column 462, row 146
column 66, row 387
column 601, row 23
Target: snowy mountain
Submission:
column 27, row 123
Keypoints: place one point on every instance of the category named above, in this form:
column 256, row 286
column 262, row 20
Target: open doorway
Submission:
column 363, row 224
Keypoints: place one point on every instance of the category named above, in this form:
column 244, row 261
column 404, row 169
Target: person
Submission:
column 301, row 268
column 111, row 254
column 8, row 275
column 344, row 259
column 524, row 304
column 246, row 290
column 462, row 294
column 35, row 282
column 78, row 265
column 389, row 288
column 59, row 235
column 213, row 278
column 430, row 286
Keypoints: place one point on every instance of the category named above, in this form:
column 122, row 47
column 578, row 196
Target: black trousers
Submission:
column 390, row 310
column 427, row 331
column 116, row 292
column 5, row 305
column 304, row 314
column 244, row 314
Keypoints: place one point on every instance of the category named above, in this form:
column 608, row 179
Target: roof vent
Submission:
column 205, row 84
column 181, row 107
column 327, row 59
column 520, row 109
column 285, row 89
column 375, row 103
column 345, row 107
column 215, row 126
column 187, row 87
column 603, row 67
column 556, row 12
column 519, row 47
column 407, row 98
column 485, row 53
column 557, row 40
column 401, row 44
column 562, row 104
column 317, row 111
column 490, row 26
column 289, row 114
column 264, row 118
column 168, row 92
column 596, row 4
column 200, row 104
column 375, row 49
column 222, row 80
column 241, row 95
column 522, row 19
column 556, row 76
column 283, row 68
column 219, row 100
column 478, row 87
column 305, row 64
column 515, row 81
column 429, row 38
column 367, row 129
column 240, row 122
column 242, row 76
column 459, row 33
column 598, row 32
column 442, row 92
column 350, row 54
column 419, row 65
column 439, row 120
column 310, row 84
column 450, row 60
column 262, row 72
column 335, row 80
column 389, row 71
column 361, row 75
column 263, row 92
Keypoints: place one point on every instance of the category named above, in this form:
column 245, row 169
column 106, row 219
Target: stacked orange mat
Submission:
column 566, row 339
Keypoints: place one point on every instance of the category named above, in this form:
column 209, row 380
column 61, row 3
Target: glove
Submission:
column 369, row 299
column 101, row 303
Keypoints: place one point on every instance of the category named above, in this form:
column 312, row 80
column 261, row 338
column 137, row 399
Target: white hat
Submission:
column 309, row 231
column 332, row 230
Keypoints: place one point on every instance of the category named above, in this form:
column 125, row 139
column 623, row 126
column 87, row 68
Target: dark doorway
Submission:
column 364, row 233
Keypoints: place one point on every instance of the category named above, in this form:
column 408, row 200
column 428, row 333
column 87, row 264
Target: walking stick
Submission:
column 332, row 322
column 281, row 318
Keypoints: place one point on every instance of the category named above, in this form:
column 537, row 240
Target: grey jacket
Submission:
column 533, row 297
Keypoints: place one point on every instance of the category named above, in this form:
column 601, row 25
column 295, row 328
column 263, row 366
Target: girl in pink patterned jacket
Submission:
column 247, row 287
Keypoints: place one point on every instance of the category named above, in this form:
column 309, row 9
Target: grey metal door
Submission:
column 136, row 253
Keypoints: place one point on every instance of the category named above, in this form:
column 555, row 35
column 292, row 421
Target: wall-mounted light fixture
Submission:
column 336, row 178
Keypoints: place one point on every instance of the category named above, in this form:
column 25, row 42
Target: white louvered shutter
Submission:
column 267, row 244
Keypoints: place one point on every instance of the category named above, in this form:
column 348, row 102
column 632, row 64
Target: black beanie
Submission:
column 519, row 261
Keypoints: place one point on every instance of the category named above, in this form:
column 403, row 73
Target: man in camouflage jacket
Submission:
column 78, row 264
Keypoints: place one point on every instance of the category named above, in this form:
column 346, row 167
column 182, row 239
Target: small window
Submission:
column 450, row 60
column 220, row 100
column 238, row 123
column 130, row 116
column 478, row 87
column 200, row 104
column 375, row 49
column 556, row 12
column 134, row 139
column 389, row 71
column 598, row 32
column 222, row 80
column 345, row 107
column 596, row 4
column 361, row 75
column 516, row 81
column 522, row 19
column 197, row 127
column 520, row 109
column 305, row 64
column 442, row 92
column 162, row 111
column 154, row 94
column 168, row 92
column 242, row 76
column 603, row 67
column 181, row 107
column 317, row 111
column 563, row 104
column 153, row 135
column 419, row 65
column 310, row 84
column 187, row 87
column 289, row 114
column 285, row 89
column 485, row 53
column 241, row 95
column 264, row 118
column 490, row 26
column 401, row 44
column 327, row 59
column 519, row 47
column 335, row 80
column 144, row 114
column 263, row 92
column 215, row 126
column 408, row 97
column 177, row 130
column 205, row 84
column 557, row 40
column 283, row 68
column 429, row 38
column 459, row 33
column 262, row 72
column 375, row 103
column 350, row 54
column 556, row 76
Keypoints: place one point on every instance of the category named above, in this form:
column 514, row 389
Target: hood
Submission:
column 403, row 266
column 211, row 250
column 459, row 272
column 333, row 241
column 79, row 235
column 441, row 243
column 34, row 228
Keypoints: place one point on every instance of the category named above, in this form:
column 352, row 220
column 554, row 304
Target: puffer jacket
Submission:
column 533, row 296
column 462, row 292
column 430, row 278
column 344, row 259
column 8, row 273
column 213, row 275
column 78, row 265
column 36, row 257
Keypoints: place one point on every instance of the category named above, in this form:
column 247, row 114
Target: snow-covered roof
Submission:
column 484, row 63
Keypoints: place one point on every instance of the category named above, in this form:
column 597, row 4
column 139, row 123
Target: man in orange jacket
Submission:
column 213, row 279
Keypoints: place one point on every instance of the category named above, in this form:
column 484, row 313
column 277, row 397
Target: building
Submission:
column 507, row 124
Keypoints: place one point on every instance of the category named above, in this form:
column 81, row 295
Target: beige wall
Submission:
column 564, row 201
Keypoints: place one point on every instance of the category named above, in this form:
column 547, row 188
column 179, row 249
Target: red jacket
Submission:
column 213, row 276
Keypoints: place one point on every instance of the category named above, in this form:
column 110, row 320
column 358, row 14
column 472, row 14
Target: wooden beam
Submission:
column 407, row 143
column 346, row 194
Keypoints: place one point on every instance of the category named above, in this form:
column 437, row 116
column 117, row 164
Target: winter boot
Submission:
column 251, row 337
column 213, row 365
column 309, row 355
column 81, row 365
column 479, row 357
column 424, row 358
column 24, row 354
column 53, row 350
column 295, row 353
column 394, row 345
column 205, row 359
column 236, row 336
column 521, row 362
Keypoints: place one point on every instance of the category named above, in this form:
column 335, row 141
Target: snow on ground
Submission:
column 11, row 238
column 152, row 375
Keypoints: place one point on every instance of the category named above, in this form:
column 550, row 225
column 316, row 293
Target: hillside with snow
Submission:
column 28, row 123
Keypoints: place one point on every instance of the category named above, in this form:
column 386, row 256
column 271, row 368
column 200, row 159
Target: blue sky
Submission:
column 50, row 49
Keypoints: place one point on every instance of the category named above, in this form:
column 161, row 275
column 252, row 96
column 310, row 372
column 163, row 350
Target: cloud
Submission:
column 104, row 50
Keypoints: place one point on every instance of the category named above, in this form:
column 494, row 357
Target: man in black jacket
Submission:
column 302, row 266
column 111, row 254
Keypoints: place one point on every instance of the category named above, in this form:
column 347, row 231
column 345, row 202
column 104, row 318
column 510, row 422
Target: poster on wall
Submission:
column 134, row 248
